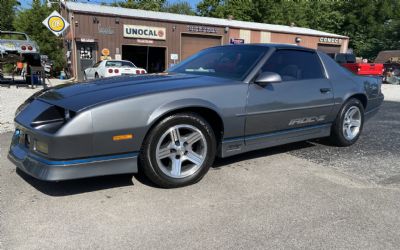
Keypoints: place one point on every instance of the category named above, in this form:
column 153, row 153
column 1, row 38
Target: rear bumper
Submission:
column 56, row 170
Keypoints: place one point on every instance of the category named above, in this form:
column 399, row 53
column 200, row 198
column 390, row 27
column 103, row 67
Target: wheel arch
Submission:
column 361, row 97
column 203, row 108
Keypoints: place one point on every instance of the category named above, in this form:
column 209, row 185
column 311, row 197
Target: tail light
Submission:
column 30, row 47
column 358, row 69
column 143, row 72
column 23, row 47
column 138, row 72
column 116, row 71
column 110, row 71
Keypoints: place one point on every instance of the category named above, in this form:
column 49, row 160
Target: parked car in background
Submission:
column 221, row 101
column 360, row 68
column 14, row 46
column 110, row 68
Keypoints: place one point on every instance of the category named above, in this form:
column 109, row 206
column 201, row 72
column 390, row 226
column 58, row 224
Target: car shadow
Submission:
column 73, row 187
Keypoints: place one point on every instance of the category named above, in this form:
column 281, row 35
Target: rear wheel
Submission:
column 348, row 124
column 84, row 76
column 96, row 75
column 178, row 151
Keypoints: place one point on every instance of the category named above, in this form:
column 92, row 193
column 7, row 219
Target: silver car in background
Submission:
column 223, row 101
column 15, row 45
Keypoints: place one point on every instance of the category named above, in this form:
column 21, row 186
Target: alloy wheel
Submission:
column 352, row 123
column 181, row 151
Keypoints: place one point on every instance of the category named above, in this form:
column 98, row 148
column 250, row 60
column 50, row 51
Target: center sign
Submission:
column 146, row 32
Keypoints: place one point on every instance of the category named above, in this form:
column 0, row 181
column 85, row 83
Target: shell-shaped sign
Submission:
column 56, row 23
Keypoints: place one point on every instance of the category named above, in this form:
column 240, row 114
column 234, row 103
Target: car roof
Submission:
column 271, row 45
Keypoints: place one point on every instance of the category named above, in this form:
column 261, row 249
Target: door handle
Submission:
column 325, row 90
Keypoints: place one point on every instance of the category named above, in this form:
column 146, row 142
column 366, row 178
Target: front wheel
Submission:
column 348, row 124
column 178, row 151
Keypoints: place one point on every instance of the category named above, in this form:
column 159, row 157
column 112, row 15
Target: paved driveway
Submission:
column 304, row 195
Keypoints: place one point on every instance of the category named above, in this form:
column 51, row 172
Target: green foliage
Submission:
column 8, row 68
column 154, row 5
column 7, row 14
column 181, row 7
column 30, row 22
column 372, row 25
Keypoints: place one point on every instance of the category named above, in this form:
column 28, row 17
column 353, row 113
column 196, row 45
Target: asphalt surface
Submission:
column 306, row 195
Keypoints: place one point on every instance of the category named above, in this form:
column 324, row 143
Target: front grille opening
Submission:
column 52, row 119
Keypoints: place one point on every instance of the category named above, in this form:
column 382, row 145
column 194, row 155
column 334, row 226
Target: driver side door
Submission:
column 286, row 111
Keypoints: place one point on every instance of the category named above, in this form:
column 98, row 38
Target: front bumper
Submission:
column 58, row 170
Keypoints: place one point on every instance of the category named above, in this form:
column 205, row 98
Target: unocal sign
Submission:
column 136, row 31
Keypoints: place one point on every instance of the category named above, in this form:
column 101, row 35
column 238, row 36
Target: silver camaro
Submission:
column 221, row 102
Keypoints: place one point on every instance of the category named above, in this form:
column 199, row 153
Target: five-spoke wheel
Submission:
column 348, row 124
column 179, row 150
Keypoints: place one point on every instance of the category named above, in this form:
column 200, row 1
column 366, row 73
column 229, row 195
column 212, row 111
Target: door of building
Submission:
column 147, row 57
column 191, row 44
column 87, row 57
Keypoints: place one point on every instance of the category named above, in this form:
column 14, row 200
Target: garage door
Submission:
column 328, row 48
column 194, row 43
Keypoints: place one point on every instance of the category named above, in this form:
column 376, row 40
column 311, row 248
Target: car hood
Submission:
column 80, row 96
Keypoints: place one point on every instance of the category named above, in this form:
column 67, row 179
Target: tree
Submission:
column 154, row 5
column 372, row 25
column 181, row 7
column 30, row 22
column 7, row 14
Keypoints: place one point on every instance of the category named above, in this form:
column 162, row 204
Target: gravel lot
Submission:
column 11, row 98
column 306, row 195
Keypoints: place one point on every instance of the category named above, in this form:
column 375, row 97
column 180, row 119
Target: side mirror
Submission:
column 268, row 77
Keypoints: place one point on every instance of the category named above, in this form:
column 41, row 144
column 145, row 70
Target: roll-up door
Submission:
column 190, row 44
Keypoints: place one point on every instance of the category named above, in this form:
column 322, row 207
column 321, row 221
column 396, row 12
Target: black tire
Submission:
column 148, row 158
column 338, row 136
column 96, row 76
column 84, row 77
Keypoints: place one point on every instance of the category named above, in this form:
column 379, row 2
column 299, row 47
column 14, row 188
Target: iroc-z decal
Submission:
column 309, row 119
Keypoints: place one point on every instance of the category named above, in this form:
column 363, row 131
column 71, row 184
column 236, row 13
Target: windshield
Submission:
column 12, row 36
column 231, row 61
column 120, row 64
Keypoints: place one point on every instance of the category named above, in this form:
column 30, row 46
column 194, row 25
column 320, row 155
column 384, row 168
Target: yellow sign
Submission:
column 105, row 52
column 56, row 23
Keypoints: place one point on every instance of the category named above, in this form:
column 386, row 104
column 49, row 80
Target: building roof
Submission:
column 386, row 56
column 118, row 11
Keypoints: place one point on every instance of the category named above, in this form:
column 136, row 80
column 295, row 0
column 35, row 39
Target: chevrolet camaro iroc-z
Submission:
column 221, row 102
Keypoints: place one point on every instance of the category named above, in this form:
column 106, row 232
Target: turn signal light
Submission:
column 110, row 71
column 122, row 137
column 41, row 147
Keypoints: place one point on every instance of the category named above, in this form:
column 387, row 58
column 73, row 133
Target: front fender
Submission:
column 180, row 104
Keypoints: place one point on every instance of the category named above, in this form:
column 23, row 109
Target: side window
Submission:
column 294, row 65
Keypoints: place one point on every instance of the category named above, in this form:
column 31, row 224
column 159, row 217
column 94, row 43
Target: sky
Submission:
column 27, row 3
